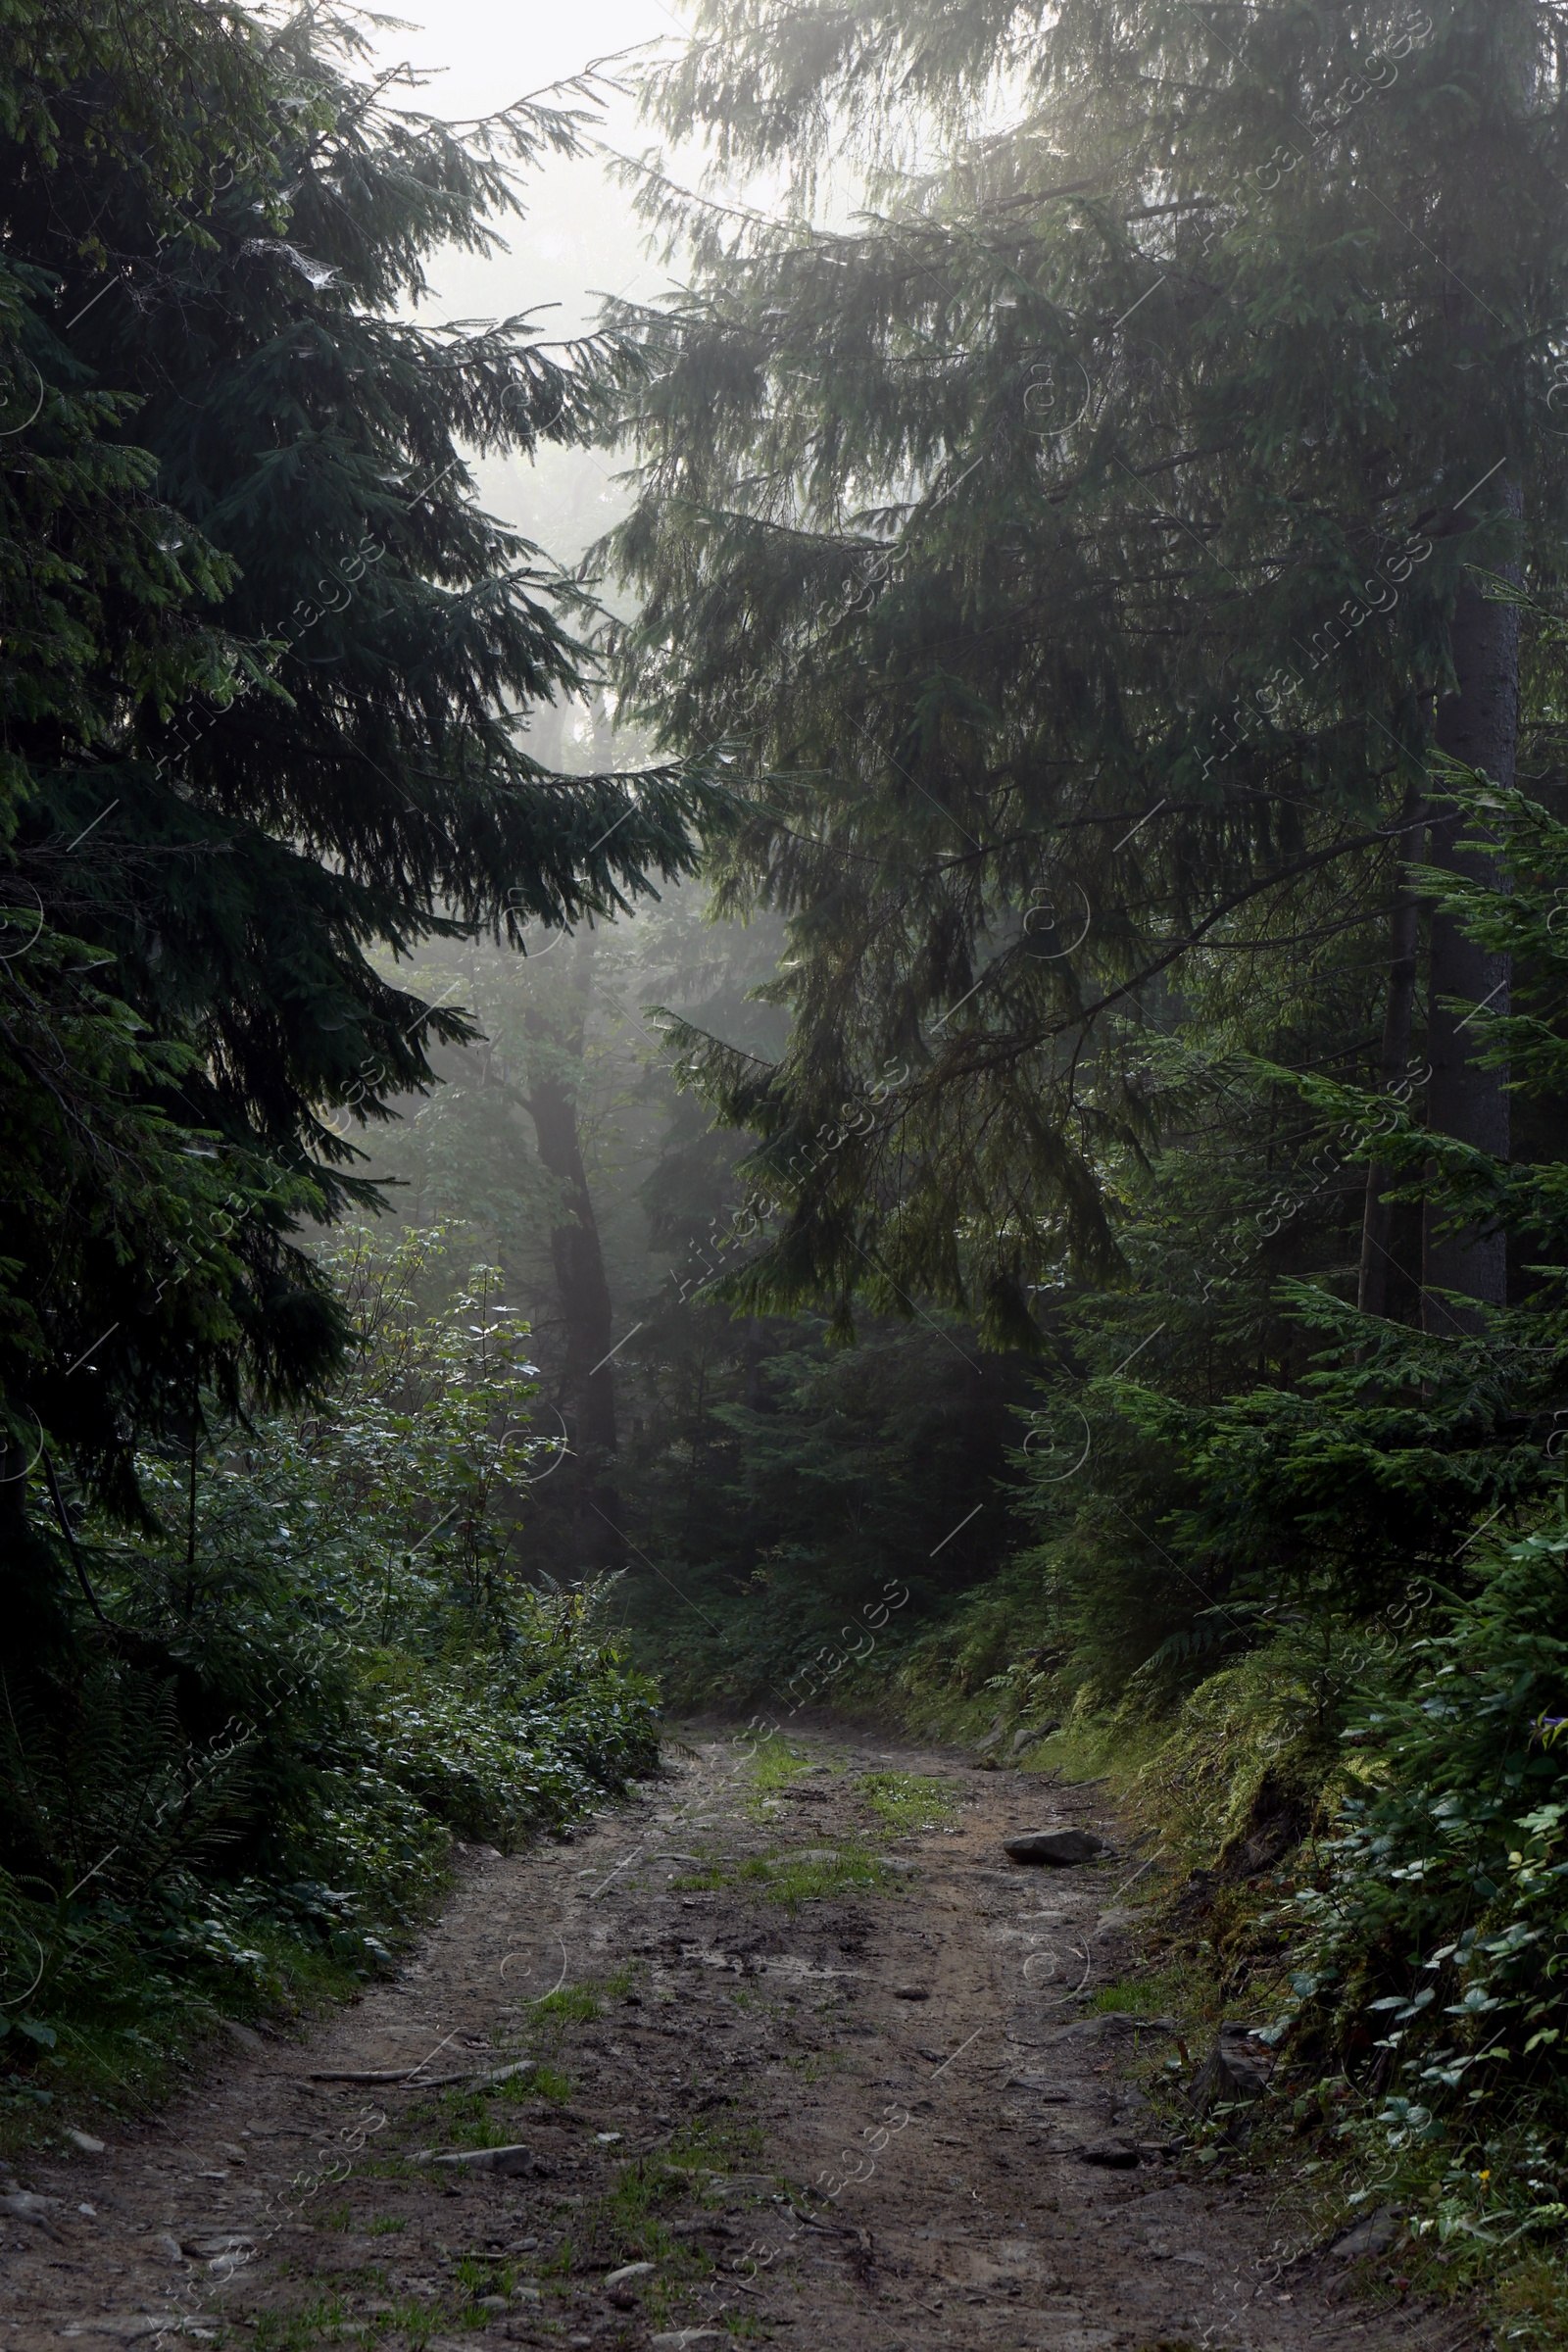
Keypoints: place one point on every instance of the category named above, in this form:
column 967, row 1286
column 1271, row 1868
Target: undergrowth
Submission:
column 233, row 1783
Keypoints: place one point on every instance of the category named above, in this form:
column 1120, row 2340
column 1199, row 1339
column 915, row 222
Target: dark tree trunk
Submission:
column 1394, row 1062
column 1479, row 724
column 581, row 1283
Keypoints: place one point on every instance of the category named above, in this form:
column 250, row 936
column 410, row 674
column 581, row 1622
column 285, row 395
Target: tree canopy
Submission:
column 267, row 666
column 1070, row 547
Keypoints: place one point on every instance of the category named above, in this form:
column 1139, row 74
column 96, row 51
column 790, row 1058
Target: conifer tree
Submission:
column 1084, row 546
column 267, row 663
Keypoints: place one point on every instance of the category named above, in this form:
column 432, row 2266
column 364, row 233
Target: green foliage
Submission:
column 905, row 1800
column 321, row 1666
column 1433, row 1933
column 264, row 681
column 1065, row 546
column 807, row 1514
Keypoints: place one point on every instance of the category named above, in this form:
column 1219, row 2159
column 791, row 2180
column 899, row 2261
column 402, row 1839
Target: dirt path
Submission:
column 832, row 2101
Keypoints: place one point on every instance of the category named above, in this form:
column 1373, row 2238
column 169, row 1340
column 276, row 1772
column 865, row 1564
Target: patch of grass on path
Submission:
column 904, row 1802
column 794, row 1880
column 776, row 1763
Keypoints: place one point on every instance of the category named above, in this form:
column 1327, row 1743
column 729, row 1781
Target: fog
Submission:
column 579, row 239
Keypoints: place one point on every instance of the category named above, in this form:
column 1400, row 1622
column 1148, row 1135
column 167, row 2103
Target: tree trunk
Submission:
column 581, row 1283
column 1477, row 723
column 1394, row 1062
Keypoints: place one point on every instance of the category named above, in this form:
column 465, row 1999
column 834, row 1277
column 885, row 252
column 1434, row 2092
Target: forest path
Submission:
column 834, row 2095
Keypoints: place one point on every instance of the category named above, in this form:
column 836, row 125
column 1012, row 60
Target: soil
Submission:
column 826, row 2103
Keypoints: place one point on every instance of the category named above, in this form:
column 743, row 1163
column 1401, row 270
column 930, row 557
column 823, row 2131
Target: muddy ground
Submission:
column 803, row 2059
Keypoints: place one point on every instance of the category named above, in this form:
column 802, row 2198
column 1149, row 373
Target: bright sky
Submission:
column 579, row 233
column 579, row 239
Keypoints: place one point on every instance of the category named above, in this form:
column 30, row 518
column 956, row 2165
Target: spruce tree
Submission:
column 268, row 669
column 1084, row 546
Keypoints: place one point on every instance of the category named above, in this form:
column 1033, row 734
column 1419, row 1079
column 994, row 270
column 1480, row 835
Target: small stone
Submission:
column 23, row 2206
column 607, row 2139
column 1114, row 2154
column 232, row 2152
column 1033, row 1733
column 86, row 2141
column 1228, row 2079
column 513, row 2159
column 629, row 2270
column 813, row 1853
column 910, row 1993
column 679, row 2339
column 128, row 2327
column 1374, row 2236
column 1058, row 1847
column 492, row 2303
column 230, row 2245
column 91, row 2211
column 243, row 2035
column 168, row 2248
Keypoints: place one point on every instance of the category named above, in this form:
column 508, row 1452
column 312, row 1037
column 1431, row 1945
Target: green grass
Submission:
column 299, row 2331
column 1186, row 1991
column 386, row 2225
column 852, row 1869
column 717, row 2142
column 467, row 2119
column 475, row 2274
column 574, row 2004
column 907, row 1800
column 780, row 1878
column 128, row 2041
column 776, row 1763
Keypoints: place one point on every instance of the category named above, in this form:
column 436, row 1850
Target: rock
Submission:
column 128, row 2327
column 910, row 1993
column 1056, row 1846
column 1105, row 2024
column 492, row 2303
column 629, row 2270
column 232, row 2152
column 86, row 2141
column 678, row 2339
column 993, row 1739
column 1228, row 2078
column 168, row 2248
column 526, row 2294
column 1117, row 2153
column 513, row 2159
column 1032, row 1735
column 810, row 1853
column 23, row 2206
column 231, row 2246
column 1374, row 2236
column 243, row 2035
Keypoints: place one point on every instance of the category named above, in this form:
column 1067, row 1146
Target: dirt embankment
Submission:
column 776, row 2053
